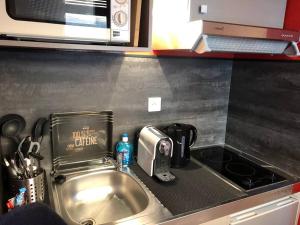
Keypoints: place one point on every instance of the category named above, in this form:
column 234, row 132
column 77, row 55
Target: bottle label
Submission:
column 126, row 159
column 123, row 157
column 124, row 153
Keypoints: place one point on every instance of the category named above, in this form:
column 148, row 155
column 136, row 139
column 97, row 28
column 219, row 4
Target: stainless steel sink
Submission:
column 106, row 196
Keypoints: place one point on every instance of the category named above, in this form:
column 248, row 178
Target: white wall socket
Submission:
column 154, row 104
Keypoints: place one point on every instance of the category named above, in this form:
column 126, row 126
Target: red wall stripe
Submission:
column 181, row 53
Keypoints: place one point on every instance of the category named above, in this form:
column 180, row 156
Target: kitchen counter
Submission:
column 199, row 195
column 194, row 188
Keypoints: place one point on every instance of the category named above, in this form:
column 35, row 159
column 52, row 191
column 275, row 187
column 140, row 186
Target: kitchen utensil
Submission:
column 32, row 157
column 31, row 148
column 8, row 146
column 21, row 159
column 40, row 128
column 37, row 130
column 46, row 128
column 36, row 156
column 6, row 163
column 12, row 172
column 12, row 125
column 15, row 167
column 29, row 167
column 155, row 150
column 8, row 149
column 21, row 168
column 35, row 187
column 184, row 136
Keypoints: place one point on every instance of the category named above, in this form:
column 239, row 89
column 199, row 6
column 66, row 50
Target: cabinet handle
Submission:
column 284, row 202
column 246, row 216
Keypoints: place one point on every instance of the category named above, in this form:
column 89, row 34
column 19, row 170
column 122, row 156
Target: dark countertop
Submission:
column 195, row 188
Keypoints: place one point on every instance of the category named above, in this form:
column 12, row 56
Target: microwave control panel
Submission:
column 120, row 20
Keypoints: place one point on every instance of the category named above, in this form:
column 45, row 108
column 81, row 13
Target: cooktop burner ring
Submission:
column 215, row 156
column 237, row 168
column 240, row 169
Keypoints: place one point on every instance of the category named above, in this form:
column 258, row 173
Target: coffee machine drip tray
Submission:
column 236, row 168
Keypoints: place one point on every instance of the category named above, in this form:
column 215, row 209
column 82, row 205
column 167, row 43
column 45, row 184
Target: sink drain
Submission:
column 88, row 222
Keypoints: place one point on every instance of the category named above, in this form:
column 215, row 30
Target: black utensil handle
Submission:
column 37, row 130
column 194, row 135
column 36, row 156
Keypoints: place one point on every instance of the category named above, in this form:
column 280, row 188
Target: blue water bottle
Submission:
column 124, row 151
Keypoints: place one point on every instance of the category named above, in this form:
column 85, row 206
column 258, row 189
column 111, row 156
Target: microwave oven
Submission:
column 105, row 21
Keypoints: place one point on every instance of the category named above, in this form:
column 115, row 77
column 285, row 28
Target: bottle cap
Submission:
column 125, row 137
column 22, row 190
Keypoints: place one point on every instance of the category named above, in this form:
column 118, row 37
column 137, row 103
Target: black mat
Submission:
column 194, row 188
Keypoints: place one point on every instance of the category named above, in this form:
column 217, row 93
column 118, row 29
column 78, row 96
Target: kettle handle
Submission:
column 194, row 137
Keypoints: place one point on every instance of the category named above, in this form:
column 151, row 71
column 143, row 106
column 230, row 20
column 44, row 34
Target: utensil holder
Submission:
column 35, row 187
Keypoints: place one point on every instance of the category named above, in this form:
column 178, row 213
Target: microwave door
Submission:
column 79, row 20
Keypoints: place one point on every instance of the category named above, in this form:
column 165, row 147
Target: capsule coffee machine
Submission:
column 155, row 150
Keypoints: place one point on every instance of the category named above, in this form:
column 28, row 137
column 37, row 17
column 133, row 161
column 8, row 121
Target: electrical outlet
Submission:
column 154, row 104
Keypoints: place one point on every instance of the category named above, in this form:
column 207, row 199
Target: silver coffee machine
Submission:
column 155, row 150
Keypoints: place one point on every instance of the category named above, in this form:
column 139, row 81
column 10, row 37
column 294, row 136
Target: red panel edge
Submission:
column 296, row 188
column 185, row 53
column 292, row 19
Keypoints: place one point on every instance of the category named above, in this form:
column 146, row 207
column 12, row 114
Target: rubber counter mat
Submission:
column 194, row 188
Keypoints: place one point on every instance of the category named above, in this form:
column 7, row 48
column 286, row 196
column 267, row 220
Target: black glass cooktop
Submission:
column 236, row 168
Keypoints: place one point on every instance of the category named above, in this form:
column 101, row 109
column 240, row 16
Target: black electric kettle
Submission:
column 183, row 136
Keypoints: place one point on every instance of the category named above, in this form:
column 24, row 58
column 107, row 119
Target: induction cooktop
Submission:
column 236, row 168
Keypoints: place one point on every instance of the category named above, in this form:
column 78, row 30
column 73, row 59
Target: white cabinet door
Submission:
column 279, row 212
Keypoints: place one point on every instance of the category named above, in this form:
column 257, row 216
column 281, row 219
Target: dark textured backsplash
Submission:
column 196, row 91
column 37, row 83
column 264, row 103
column 264, row 111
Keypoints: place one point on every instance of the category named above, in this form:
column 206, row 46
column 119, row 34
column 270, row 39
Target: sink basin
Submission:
column 100, row 197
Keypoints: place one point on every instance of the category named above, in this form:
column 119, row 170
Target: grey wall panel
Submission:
column 264, row 111
column 37, row 83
